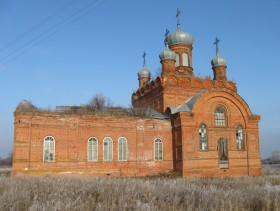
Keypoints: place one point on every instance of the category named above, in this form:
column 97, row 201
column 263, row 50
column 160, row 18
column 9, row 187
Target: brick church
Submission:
column 188, row 125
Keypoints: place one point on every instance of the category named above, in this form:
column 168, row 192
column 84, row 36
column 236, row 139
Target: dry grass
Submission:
column 91, row 193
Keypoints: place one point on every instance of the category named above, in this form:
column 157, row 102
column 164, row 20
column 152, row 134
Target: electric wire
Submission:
column 37, row 25
column 49, row 32
column 46, row 31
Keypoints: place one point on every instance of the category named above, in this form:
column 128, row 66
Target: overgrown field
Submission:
column 91, row 193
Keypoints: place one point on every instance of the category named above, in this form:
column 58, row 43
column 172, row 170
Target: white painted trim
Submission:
column 88, row 149
column 155, row 149
column 125, row 149
column 112, row 149
column 53, row 149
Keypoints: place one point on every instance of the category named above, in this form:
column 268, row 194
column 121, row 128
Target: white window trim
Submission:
column 218, row 121
column 155, row 149
column 119, row 149
column 112, row 150
column 88, row 149
column 200, row 143
column 242, row 140
column 53, row 149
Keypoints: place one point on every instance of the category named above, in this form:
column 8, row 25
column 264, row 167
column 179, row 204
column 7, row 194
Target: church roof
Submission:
column 144, row 73
column 218, row 61
column 167, row 54
column 188, row 105
column 180, row 37
column 147, row 112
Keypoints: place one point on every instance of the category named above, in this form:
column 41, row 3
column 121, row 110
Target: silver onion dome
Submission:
column 144, row 73
column 167, row 54
column 218, row 61
column 180, row 37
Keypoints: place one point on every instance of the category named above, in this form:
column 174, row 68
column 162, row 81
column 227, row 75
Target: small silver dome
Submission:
column 180, row 37
column 167, row 54
column 218, row 61
column 144, row 73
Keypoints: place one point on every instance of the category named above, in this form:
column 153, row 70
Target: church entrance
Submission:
column 223, row 153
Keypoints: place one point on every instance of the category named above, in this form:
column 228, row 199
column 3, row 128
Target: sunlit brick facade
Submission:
column 204, row 128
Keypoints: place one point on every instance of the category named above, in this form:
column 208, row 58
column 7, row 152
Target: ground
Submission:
column 146, row 193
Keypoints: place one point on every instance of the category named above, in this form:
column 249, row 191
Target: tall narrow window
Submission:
column 239, row 138
column 177, row 63
column 92, row 149
column 223, row 150
column 220, row 117
column 122, row 144
column 49, row 149
column 107, row 149
column 158, row 149
column 223, row 153
column 203, row 137
column 185, row 59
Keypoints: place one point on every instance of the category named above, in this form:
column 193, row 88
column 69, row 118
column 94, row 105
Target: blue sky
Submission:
column 61, row 52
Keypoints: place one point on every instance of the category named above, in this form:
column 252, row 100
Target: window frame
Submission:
column 126, row 149
column 223, row 143
column 45, row 139
column 218, row 119
column 112, row 149
column 92, row 139
column 237, row 135
column 156, row 141
column 201, row 138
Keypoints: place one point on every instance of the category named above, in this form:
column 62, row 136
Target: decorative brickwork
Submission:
column 71, row 134
column 203, row 128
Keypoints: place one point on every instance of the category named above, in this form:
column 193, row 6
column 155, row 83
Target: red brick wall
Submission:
column 71, row 133
column 180, row 139
column 206, row 163
column 173, row 90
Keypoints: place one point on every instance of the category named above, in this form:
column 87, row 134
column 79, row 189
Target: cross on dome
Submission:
column 165, row 40
column 178, row 18
column 144, row 58
column 216, row 43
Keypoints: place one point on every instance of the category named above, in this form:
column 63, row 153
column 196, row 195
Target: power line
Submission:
column 45, row 32
column 38, row 24
column 80, row 13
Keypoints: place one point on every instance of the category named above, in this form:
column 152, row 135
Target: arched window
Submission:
column 177, row 63
column 92, row 149
column 203, row 137
column 239, row 138
column 107, row 149
column 122, row 145
column 185, row 59
column 49, row 149
column 220, row 117
column 158, row 149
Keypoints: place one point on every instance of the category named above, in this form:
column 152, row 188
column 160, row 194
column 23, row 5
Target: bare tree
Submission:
column 8, row 161
column 99, row 102
column 26, row 106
